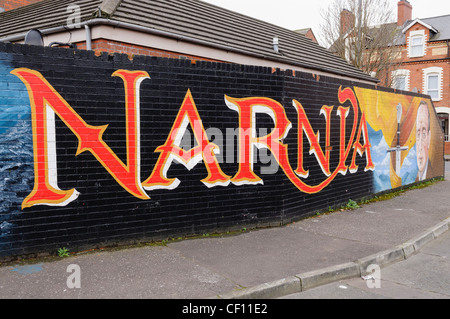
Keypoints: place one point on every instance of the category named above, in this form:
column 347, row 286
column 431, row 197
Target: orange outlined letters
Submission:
column 45, row 103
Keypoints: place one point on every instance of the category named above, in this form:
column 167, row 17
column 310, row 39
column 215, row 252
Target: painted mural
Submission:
column 139, row 149
column 401, row 127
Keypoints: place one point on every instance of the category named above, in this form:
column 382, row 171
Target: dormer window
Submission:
column 417, row 43
column 417, row 46
column 417, row 39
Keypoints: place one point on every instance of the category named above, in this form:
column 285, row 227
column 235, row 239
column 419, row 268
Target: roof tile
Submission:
column 193, row 19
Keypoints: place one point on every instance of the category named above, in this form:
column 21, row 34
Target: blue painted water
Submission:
column 16, row 149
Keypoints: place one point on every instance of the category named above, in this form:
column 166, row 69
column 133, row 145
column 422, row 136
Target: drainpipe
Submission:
column 88, row 37
column 448, row 49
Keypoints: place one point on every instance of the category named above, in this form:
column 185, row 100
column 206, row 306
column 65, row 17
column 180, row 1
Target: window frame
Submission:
column 403, row 78
column 429, row 72
column 399, row 74
column 418, row 47
column 420, row 34
column 434, row 90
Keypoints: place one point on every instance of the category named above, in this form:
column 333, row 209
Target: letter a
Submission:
column 171, row 150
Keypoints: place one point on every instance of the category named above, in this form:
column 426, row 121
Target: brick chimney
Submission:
column 347, row 21
column 14, row 4
column 404, row 12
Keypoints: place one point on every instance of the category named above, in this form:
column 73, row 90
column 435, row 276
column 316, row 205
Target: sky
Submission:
column 299, row 14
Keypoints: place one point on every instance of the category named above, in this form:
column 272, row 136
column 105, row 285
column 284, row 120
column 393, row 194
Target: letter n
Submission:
column 45, row 103
column 304, row 125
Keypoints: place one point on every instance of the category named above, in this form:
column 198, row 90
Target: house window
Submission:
column 417, row 46
column 400, row 83
column 433, row 86
column 417, row 41
column 433, row 83
column 400, row 80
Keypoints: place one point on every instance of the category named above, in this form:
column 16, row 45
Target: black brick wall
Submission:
column 104, row 213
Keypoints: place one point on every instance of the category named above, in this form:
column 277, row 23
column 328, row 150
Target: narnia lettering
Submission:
column 46, row 103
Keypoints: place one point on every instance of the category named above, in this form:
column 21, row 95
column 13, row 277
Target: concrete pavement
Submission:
column 425, row 275
column 267, row 263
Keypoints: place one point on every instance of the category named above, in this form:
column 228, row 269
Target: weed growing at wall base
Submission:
column 63, row 252
column 352, row 204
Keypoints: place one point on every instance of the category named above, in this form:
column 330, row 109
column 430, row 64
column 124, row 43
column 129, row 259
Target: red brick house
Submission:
column 422, row 53
column 308, row 32
column 425, row 60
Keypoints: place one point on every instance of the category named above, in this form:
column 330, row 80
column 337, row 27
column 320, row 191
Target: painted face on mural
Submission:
column 422, row 139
